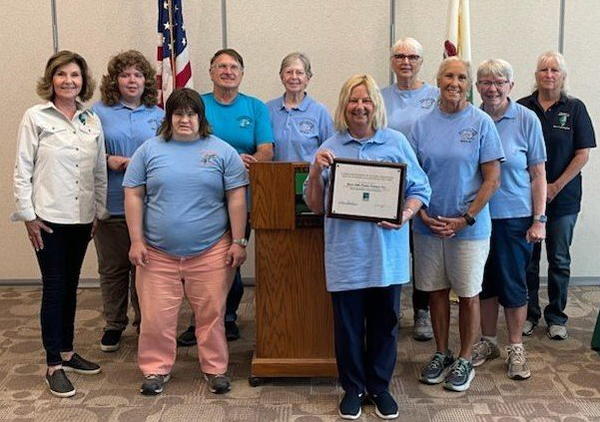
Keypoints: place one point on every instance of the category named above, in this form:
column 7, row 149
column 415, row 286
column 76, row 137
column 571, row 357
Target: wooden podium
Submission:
column 294, row 320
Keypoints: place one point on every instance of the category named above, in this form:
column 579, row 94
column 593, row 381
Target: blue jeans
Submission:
column 559, row 235
column 60, row 264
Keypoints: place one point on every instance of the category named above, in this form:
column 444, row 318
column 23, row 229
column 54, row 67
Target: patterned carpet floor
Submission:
column 565, row 382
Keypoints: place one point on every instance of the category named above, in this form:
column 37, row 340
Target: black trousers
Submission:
column 60, row 264
column 366, row 330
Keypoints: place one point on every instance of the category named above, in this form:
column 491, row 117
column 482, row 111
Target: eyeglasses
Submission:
column 224, row 66
column 411, row 57
column 497, row 84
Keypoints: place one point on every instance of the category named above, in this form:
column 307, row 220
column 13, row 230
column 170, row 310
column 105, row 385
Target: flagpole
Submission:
column 224, row 22
column 172, row 45
column 54, row 26
column 392, row 32
column 561, row 28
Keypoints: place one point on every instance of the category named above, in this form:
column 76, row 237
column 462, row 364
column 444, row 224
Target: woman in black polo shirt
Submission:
column 569, row 135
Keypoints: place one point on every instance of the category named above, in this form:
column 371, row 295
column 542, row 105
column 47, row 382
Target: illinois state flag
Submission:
column 174, row 68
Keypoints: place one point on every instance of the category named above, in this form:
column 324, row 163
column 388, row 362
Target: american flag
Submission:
column 171, row 36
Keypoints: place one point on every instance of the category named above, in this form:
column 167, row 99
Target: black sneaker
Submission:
column 232, row 331
column 154, row 384
column 385, row 405
column 59, row 384
column 80, row 365
column 111, row 340
column 351, row 406
column 218, row 384
column 188, row 337
column 460, row 376
column 437, row 368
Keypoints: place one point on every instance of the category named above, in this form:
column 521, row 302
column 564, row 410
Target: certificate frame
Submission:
column 361, row 189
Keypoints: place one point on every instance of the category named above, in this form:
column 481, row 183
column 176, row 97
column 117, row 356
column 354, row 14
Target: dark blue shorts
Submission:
column 504, row 274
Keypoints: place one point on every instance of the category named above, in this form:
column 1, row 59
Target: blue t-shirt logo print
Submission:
column 306, row 126
column 245, row 121
column 467, row 135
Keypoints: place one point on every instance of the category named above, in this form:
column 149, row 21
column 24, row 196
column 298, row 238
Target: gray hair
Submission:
column 544, row 58
column 409, row 43
column 447, row 62
column 495, row 67
column 289, row 59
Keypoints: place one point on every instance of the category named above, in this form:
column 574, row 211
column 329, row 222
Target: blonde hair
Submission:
column 544, row 58
column 379, row 120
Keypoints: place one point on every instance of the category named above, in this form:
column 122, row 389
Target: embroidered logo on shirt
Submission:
column 427, row 102
column 208, row 157
column 563, row 118
column 83, row 118
column 244, row 121
column 467, row 135
column 306, row 127
column 366, row 196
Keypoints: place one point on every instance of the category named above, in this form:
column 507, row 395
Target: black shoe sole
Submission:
column 61, row 395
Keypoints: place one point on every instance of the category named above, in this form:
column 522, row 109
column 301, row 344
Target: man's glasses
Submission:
column 411, row 57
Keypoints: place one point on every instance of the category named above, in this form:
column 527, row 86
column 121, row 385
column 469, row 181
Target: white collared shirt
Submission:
column 60, row 170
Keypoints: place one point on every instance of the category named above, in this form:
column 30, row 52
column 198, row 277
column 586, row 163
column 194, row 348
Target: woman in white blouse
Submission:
column 60, row 191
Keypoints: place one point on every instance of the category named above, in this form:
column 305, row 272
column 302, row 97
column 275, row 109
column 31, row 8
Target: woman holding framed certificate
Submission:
column 366, row 262
column 460, row 150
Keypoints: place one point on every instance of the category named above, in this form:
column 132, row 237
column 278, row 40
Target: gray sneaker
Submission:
column 218, row 383
column 154, row 384
column 558, row 332
column 484, row 350
column 422, row 330
column 528, row 327
column 437, row 368
column 460, row 376
column 518, row 369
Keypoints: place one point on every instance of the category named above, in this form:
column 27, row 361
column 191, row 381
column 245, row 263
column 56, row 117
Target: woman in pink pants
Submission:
column 186, row 212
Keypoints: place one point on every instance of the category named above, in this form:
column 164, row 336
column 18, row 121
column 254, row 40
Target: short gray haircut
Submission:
column 447, row 62
column 290, row 58
column 495, row 67
column 410, row 43
column 544, row 58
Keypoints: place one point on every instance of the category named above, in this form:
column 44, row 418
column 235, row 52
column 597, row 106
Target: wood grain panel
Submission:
column 272, row 188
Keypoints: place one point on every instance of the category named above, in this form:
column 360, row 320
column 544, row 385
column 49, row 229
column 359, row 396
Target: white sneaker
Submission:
column 518, row 369
column 558, row 332
column 422, row 330
column 528, row 327
column 484, row 350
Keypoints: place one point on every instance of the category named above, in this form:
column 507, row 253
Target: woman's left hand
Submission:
column 453, row 226
column 94, row 227
column 236, row 255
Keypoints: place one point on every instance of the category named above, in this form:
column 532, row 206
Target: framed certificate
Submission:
column 367, row 190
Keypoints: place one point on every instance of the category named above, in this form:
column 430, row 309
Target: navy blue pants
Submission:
column 559, row 235
column 60, row 264
column 366, row 330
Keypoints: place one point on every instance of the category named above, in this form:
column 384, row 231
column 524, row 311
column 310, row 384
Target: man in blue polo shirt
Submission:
column 243, row 122
column 569, row 135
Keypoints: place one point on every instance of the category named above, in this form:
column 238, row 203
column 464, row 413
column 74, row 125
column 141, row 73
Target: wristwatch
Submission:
column 242, row 242
column 469, row 218
column 540, row 218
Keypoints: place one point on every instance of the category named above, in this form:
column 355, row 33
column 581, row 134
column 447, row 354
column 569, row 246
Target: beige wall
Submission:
column 341, row 37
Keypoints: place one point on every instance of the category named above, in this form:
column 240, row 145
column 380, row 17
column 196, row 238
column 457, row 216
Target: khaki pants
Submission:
column 117, row 275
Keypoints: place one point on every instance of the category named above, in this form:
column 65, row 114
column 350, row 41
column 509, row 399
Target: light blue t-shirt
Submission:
column 451, row 148
column 360, row 254
column 185, row 205
column 125, row 129
column 244, row 123
column 299, row 131
column 523, row 143
column 404, row 107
